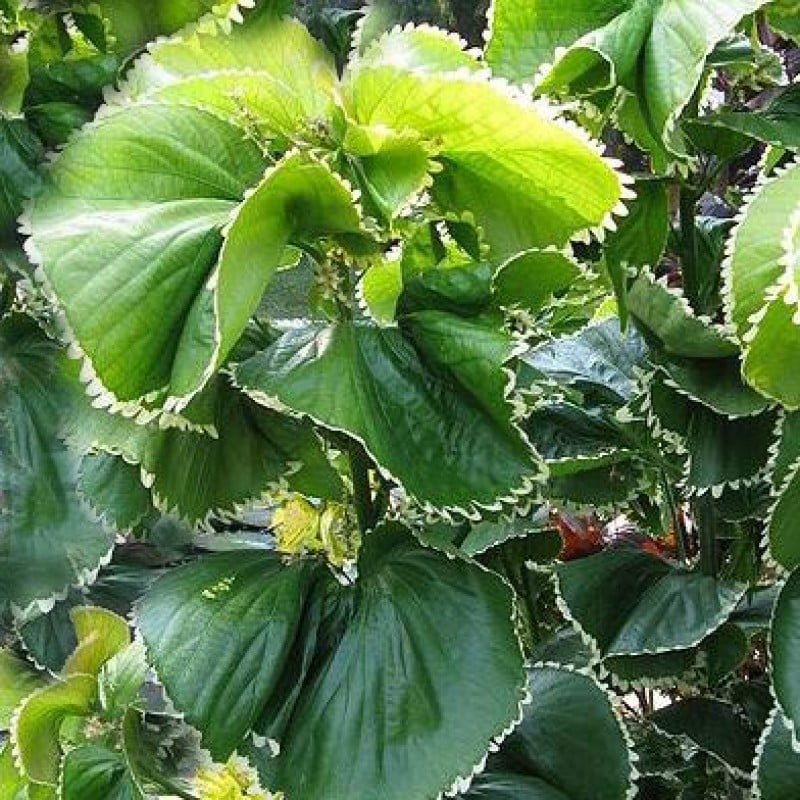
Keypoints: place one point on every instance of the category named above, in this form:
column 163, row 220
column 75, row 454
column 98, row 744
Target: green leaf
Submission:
column 410, row 617
column 783, row 17
column 725, row 651
column 297, row 199
column 20, row 154
column 413, row 403
column 640, row 238
column 712, row 725
column 631, row 603
column 727, row 452
column 571, row 720
column 420, row 48
column 134, row 23
column 48, row 540
column 648, row 670
column 656, row 49
column 607, row 486
column 114, row 488
column 777, row 772
column 715, row 383
column 186, row 621
column 392, row 168
column 529, row 280
column 122, row 678
column 50, row 638
column 716, row 656
column 527, row 181
column 572, row 439
column 101, row 635
column 784, row 542
column 13, row 78
column 777, row 123
column 153, row 186
column 414, row 614
column 785, row 651
column 12, row 784
column 36, row 731
column 63, row 92
column 599, row 360
column 249, row 451
column 91, row 772
column 761, row 286
column 487, row 535
column 667, row 314
column 17, row 681
column 270, row 75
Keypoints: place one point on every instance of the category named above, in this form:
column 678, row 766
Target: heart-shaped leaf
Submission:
column 571, row 720
column 631, row 603
column 417, row 642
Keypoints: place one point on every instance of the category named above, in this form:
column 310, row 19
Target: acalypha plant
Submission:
column 403, row 419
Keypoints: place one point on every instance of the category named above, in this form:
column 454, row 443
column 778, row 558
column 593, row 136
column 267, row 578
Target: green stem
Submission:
column 706, row 520
column 676, row 517
column 362, row 491
column 691, row 275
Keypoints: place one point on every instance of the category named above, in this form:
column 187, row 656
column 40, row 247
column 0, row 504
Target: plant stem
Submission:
column 691, row 276
column 706, row 520
column 362, row 491
column 676, row 517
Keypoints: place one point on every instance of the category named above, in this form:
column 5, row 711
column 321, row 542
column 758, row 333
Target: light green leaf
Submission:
column 784, row 17
column 12, row 784
column 91, row 772
column 761, row 286
column 130, row 218
column 392, row 167
column 269, row 72
column 656, row 49
column 408, row 406
column 528, row 181
column 101, row 635
column 524, row 37
column 712, row 725
column 17, row 680
column 777, row 773
column 570, row 721
column 381, row 288
column 421, row 48
column 528, row 280
column 632, row 603
column 36, row 731
column 785, row 651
